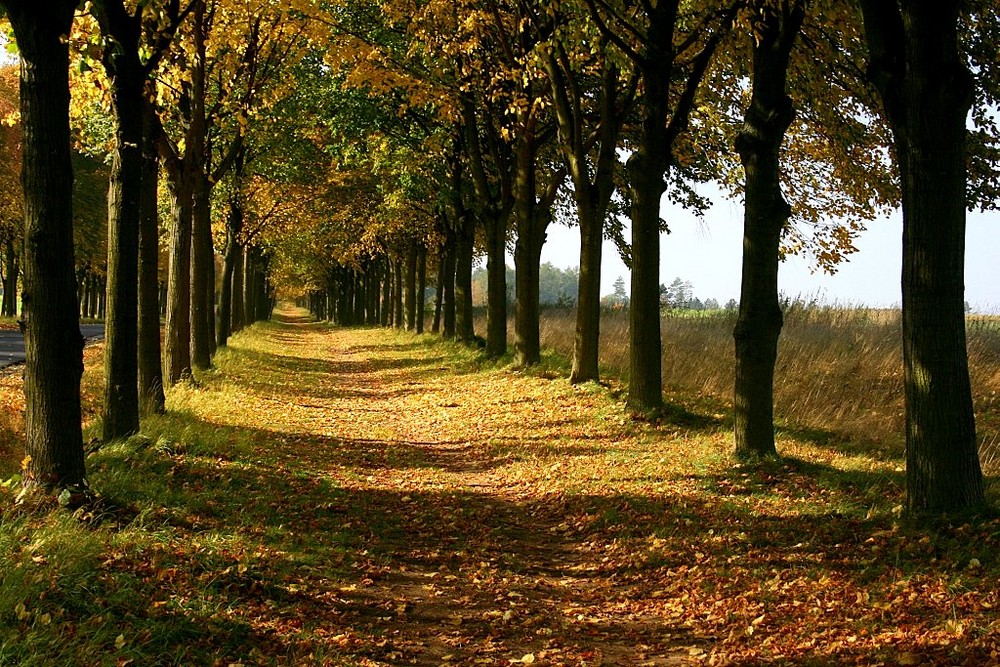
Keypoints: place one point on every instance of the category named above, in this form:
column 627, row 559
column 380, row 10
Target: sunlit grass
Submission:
column 838, row 378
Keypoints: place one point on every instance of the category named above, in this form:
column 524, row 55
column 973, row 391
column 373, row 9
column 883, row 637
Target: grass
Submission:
column 369, row 497
column 838, row 378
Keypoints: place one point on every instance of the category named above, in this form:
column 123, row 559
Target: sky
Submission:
column 708, row 253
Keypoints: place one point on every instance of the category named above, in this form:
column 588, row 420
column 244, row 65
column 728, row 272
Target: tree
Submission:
column 590, row 111
column 50, row 321
column 620, row 293
column 926, row 91
column 11, row 209
column 775, row 27
column 671, row 62
column 127, row 77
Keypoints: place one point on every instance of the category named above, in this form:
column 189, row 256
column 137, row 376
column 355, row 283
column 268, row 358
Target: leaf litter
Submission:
column 388, row 501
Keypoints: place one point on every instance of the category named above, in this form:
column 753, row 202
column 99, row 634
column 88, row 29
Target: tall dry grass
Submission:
column 839, row 370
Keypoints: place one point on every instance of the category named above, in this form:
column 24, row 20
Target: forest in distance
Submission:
column 328, row 424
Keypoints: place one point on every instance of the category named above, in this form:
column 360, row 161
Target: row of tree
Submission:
column 355, row 148
column 811, row 111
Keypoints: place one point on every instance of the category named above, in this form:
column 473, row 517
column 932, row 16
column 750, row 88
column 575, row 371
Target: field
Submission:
column 363, row 497
column 838, row 378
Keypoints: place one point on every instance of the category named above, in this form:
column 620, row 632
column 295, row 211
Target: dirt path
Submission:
column 463, row 539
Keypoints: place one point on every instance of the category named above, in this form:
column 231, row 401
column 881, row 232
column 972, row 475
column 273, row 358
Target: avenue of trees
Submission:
column 355, row 152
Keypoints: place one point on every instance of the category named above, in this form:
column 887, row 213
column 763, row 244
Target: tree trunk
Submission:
column 527, row 253
column 410, row 286
column 766, row 212
column 150, row 363
column 121, row 373
column 359, row 298
column 238, row 317
column 10, row 279
column 202, row 258
column 178, row 326
column 397, row 294
column 439, row 292
column 926, row 93
column 464, row 247
column 586, row 344
column 496, row 286
column 234, row 225
column 448, row 289
column 372, row 290
column 647, row 167
column 386, row 314
column 421, row 286
column 50, row 320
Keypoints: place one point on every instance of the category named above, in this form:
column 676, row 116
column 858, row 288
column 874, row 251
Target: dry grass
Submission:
column 839, row 371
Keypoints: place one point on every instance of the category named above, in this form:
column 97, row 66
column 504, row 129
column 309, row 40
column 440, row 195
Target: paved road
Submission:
column 12, row 342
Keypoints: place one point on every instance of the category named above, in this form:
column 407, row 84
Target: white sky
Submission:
column 708, row 253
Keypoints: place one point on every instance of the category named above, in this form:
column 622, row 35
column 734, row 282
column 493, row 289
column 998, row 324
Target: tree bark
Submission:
column 766, row 212
column 50, row 320
column 439, row 292
column 421, row 286
column 202, row 258
column 178, row 327
column 586, row 344
column 10, row 278
column 926, row 92
column 127, row 78
column 647, row 167
column 496, row 285
column 234, row 225
column 465, row 239
column 527, row 251
column 150, row 363
column 495, row 201
column 448, row 289
column 410, row 286
column 372, row 289
column 397, row 294
column 238, row 318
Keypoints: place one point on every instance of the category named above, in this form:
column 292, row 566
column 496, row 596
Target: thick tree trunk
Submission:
column 766, row 212
column 50, row 319
column 496, row 286
column 588, row 305
column 527, row 339
column 527, row 253
column 647, row 167
column 150, row 363
column 121, row 373
column 926, row 93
